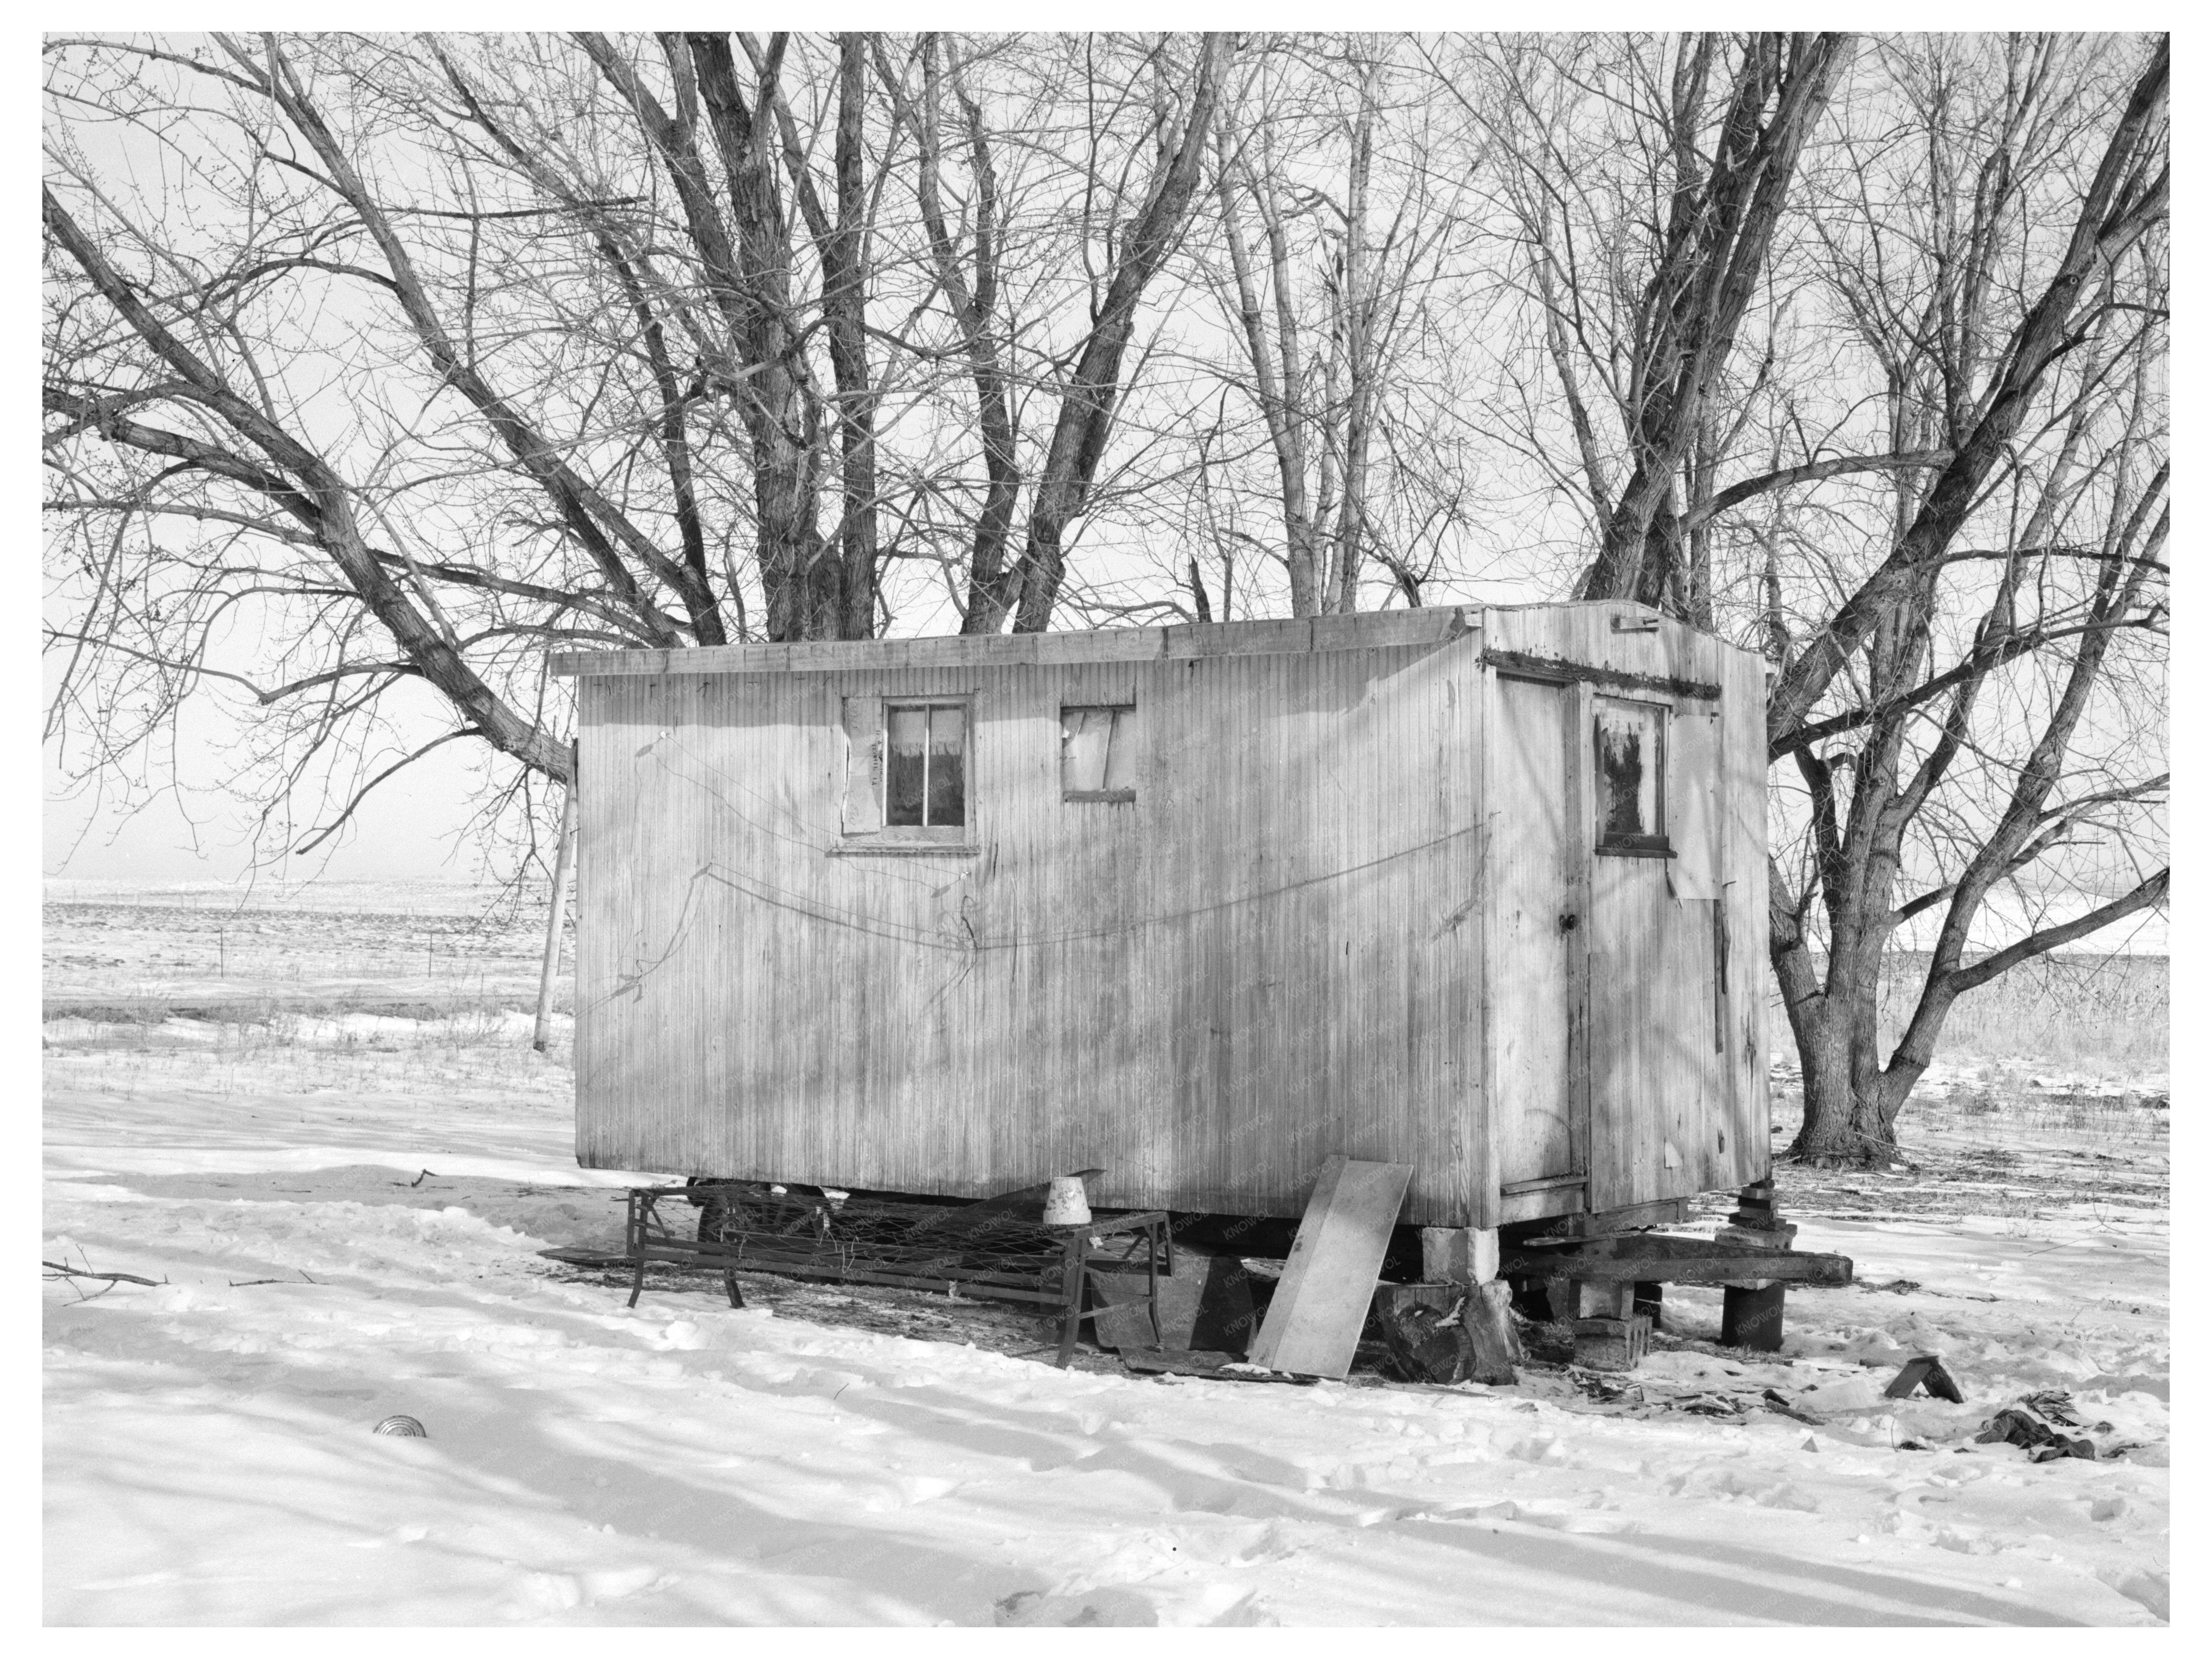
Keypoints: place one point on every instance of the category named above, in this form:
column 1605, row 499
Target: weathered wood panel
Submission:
column 1371, row 630
column 1585, row 636
column 1314, row 1320
column 1748, row 1154
column 1659, row 1102
column 1530, row 903
column 1206, row 990
column 1273, row 954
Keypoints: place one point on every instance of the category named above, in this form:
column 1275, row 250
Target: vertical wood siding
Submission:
column 1269, row 956
column 1743, row 911
column 1675, row 1063
column 1274, row 953
column 1532, row 842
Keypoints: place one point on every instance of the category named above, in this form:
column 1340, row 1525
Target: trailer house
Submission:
column 1476, row 889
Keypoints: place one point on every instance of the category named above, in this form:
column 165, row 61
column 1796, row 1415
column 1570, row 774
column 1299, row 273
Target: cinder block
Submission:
column 1612, row 1345
column 1605, row 1299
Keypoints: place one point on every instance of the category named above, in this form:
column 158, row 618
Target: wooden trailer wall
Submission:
column 1269, row 956
column 1653, row 1085
column 1353, row 907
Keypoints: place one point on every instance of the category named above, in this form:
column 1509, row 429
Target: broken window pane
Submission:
column 1630, row 752
column 1097, row 753
column 1122, row 755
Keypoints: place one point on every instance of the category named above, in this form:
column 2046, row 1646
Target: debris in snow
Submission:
column 406, row 1426
column 56, row 1270
column 1780, row 1402
column 1849, row 1394
column 2037, row 1422
column 1115, row 1605
column 1926, row 1371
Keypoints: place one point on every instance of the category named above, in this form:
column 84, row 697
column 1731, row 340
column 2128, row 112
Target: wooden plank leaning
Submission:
column 1312, row 1326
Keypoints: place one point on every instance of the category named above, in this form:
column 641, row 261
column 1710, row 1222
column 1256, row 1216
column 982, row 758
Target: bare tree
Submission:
column 376, row 366
column 1338, row 216
column 2046, row 522
column 1908, row 439
column 1125, row 239
column 450, row 239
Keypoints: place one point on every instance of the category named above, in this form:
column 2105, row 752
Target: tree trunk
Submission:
column 1850, row 1101
column 1724, row 218
column 780, row 408
column 1086, row 409
column 845, row 298
column 992, row 586
column 1359, row 369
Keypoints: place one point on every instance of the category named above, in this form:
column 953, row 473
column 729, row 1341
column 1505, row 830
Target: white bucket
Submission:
column 1065, row 1206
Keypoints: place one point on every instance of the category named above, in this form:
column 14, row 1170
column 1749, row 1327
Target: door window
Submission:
column 1630, row 750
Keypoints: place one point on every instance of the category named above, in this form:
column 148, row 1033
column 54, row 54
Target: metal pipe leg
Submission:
column 1152, row 1282
column 1077, row 1255
column 634, row 1240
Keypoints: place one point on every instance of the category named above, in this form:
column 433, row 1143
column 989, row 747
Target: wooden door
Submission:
column 1655, row 1019
column 1536, row 854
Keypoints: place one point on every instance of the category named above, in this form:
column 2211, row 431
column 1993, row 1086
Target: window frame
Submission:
column 926, row 707
column 1654, row 844
column 885, row 836
column 1117, row 729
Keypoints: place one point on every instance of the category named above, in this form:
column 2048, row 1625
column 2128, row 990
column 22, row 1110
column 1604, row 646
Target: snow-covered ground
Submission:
column 209, row 1457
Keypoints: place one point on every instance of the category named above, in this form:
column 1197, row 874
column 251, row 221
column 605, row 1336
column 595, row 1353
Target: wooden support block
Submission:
column 1674, row 1260
column 1314, row 1320
column 1448, row 1333
column 1612, row 1345
column 1421, row 1329
column 1776, row 1238
column 1754, row 1205
column 1489, row 1320
column 1751, row 1316
column 1662, row 1213
column 1559, row 1298
column 1605, row 1299
column 1459, row 1255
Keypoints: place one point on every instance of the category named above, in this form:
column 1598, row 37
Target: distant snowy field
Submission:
column 208, row 1459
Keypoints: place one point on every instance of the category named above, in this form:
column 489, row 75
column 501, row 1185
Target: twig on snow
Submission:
column 58, row 1270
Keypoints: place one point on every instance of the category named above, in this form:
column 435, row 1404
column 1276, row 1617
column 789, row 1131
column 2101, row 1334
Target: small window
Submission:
column 1630, row 752
column 925, row 765
column 1098, row 752
column 908, row 777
